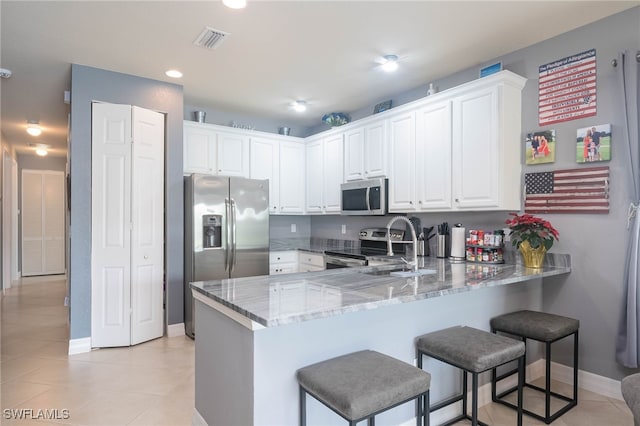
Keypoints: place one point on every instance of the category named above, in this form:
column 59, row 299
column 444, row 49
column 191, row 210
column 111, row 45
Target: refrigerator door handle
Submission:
column 234, row 211
column 227, row 242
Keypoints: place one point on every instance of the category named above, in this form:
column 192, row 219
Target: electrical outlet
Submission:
column 344, row 229
column 293, row 227
column 507, row 234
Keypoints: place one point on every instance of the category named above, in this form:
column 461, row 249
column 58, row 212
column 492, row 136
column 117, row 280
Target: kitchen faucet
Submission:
column 413, row 238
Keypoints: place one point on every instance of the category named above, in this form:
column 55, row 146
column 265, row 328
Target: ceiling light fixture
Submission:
column 33, row 128
column 389, row 63
column 235, row 4
column 40, row 148
column 299, row 106
column 174, row 74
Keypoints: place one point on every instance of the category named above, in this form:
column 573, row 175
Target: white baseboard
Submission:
column 562, row 373
column 588, row 381
column 79, row 346
column 198, row 420
column 174, row 330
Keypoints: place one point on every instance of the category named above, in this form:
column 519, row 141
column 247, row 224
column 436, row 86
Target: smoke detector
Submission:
column 210, row 38
column 5, row 73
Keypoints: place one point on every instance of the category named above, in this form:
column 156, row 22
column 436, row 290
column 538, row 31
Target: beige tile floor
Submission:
column 149, row 384
column 152, row 383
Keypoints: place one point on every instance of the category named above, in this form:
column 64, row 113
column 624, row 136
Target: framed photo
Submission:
column 593, row 143
column 382, row 106
column 540, row 147
column 491, row 69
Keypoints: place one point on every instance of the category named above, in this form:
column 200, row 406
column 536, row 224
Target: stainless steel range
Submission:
column 373, row 243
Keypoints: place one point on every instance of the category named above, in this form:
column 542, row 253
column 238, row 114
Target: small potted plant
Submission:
column 533, row 236
column 335, row 119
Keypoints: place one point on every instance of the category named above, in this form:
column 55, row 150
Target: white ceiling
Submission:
column 278, row 51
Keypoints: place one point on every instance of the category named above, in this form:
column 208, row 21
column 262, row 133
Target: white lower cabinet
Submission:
column 282, row 162
column 308, row 262
column 283, row 262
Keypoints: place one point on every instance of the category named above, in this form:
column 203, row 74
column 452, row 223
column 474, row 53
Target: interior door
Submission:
column 147, row 239
column 42, row 222
column 111, row 225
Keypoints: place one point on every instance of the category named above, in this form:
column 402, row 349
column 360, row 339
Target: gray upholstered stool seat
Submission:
column 546, row 328
column 473, row 351
column 536, row 325
column 361, row 384
column 631, row 394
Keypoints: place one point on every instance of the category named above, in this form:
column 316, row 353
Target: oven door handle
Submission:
column 344, row 262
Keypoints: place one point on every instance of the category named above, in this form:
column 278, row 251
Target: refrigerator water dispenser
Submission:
column 212, row 231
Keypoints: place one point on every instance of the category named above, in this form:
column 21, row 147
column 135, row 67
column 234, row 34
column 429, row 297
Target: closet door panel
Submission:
column 32, row 229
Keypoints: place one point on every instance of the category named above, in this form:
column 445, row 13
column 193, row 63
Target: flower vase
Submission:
column 532, row 257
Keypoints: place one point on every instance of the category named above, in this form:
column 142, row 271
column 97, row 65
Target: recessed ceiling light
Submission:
column 33, row 128
column 174, row 74
column 41, row 152
column 299, row 106
column 235, row 4
column 389, row 63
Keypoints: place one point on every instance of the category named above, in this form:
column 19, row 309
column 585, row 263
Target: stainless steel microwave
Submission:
column 365, row 197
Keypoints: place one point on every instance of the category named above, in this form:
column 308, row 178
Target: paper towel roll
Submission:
column 458, row 242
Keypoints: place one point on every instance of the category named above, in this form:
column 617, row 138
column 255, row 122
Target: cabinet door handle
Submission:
column 410, row 202
column 457, row 200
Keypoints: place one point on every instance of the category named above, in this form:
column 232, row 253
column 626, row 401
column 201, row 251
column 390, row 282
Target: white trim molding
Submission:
column 79, row 346
column 175, row 330
column 198, row 420
column 588, row 381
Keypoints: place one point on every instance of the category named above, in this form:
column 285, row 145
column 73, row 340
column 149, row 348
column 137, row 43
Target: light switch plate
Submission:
column 344, row 229
column 293, row 227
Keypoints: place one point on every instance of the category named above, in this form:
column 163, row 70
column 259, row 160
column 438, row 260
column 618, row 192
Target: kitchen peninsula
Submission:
column 255, row 332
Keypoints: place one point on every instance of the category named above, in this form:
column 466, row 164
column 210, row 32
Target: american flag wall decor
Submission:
column 584, row 190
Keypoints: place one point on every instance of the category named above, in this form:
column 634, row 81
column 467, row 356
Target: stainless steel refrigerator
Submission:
column 226, row 231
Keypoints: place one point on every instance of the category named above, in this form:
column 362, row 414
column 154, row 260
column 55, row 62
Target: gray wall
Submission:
column 280, row 226
column 594, row 291
column 225, row 118
column 92, row 84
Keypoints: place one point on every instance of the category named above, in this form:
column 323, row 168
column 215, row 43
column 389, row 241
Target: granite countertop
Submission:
column 283, row 299
column 313, row 245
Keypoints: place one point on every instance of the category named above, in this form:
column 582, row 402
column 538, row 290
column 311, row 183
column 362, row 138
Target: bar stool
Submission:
column 360, row 385
column 473, row 351
column 542, row 327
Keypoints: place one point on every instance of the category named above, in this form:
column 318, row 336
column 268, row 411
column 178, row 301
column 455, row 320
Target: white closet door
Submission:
column 147, row 239
column 42, row 222
column 111, row 225
column 54, row 231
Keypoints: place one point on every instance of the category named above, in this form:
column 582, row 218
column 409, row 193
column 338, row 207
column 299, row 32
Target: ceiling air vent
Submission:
column 210, row 38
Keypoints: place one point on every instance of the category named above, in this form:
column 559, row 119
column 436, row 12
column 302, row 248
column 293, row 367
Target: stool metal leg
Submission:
column 371, row 421
column 575, row 368
column 474, row 400
column 303, row 407
column 521, row 378
column 464, row 393
column 547, row 394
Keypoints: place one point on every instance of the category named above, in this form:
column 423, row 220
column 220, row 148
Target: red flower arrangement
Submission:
column 533, row 229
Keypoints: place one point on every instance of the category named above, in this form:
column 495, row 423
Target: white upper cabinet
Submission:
column 402, row 182
column 433, row 156
column 282, row 163
column 199, row 149
column 292, row 177
column 233, row 154
column 210, row 150
column 365, row 151
column 459, row 149
column 324, row 174
column 487, row 146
